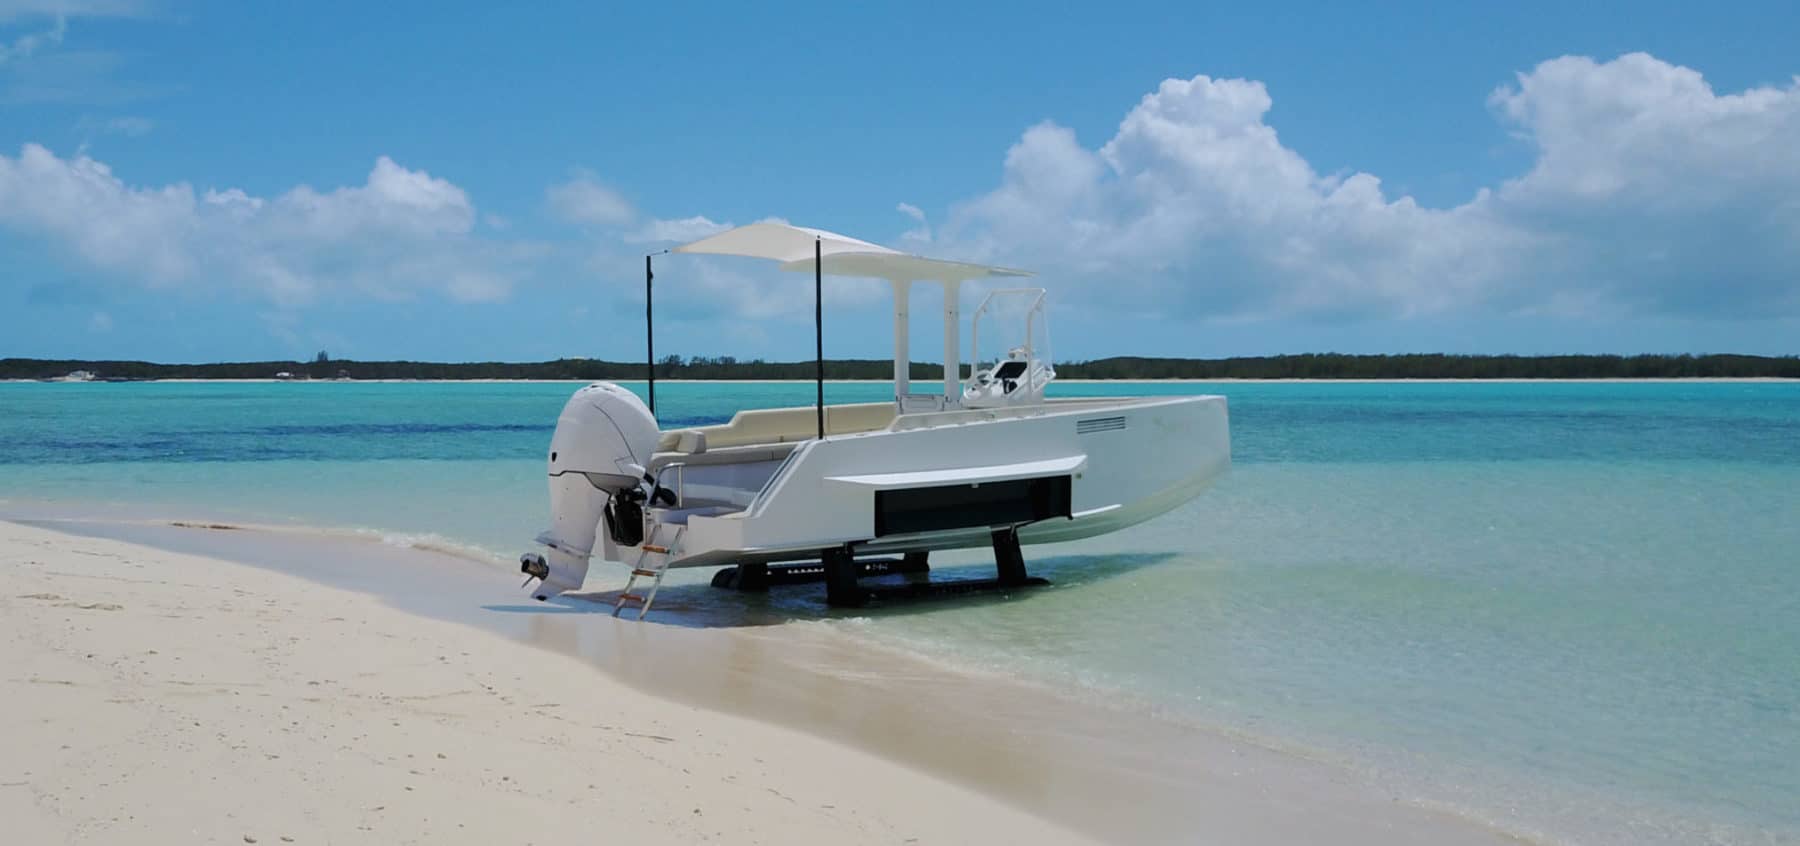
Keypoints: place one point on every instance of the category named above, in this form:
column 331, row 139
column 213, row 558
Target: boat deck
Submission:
column 719, row 469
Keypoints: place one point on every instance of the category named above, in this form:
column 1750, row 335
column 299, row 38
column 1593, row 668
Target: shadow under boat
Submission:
column 894, row 587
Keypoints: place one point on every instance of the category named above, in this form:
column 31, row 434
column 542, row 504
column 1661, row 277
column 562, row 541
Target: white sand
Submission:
column 153, row 697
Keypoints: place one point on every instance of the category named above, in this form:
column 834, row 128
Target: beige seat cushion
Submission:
column 689, row 441
column 779, row 426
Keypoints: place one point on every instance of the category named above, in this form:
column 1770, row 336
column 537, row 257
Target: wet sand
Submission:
column 1108, row 770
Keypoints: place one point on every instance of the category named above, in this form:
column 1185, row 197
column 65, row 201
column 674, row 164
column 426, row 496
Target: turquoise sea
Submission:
column 1572, row 609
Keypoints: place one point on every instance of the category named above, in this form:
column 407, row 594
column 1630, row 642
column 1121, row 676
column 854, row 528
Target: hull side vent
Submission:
column 1099, row 424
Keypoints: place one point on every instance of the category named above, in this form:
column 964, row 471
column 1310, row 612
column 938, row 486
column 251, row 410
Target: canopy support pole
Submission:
column 902, row 340
column 819, row 328
column 952, row 344
column 649, row 339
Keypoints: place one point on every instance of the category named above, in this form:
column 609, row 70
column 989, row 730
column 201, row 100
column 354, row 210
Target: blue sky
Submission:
column 205, row 181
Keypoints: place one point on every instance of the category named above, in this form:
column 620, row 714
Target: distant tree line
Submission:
column 1439, row 366
column 1309, row 366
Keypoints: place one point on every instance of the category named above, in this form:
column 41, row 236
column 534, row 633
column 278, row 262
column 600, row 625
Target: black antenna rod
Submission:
column 649, row 338
column 819, row 328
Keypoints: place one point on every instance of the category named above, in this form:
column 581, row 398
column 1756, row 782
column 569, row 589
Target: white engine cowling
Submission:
column 604, row 438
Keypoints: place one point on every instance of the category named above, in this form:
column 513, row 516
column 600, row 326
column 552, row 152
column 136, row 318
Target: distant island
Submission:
column 1307, row 366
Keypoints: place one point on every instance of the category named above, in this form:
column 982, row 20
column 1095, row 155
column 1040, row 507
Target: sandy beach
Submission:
column 155, row 695
column 159, row 695
column 152, row 697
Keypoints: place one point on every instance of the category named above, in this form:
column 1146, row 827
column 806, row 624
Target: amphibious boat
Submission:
column 834, row 493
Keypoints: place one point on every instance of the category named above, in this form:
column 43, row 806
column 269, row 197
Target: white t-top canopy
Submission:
column 839, row 255
column 799, row 248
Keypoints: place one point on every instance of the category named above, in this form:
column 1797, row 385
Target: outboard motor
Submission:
column 604, row 438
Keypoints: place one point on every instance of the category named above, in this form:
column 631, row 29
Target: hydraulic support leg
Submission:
column 1009, row 562
column 841, row 572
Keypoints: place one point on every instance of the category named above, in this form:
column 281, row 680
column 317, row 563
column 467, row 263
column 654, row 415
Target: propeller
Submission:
column 534, row 567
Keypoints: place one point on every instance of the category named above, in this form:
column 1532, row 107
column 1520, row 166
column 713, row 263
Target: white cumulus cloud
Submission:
column 401, row 233
column 1649, row 193
column 920, row 234
column 585, row 200
column 679, row 231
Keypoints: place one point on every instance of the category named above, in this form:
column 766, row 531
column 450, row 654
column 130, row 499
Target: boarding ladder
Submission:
column 652, row 563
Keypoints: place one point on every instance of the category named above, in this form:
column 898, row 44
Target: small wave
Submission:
column 422, row 541
column 432, row 542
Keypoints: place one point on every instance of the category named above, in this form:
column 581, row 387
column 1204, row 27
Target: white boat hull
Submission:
column 1127, row 460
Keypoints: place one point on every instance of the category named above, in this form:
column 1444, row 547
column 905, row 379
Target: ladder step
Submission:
column 640, row 571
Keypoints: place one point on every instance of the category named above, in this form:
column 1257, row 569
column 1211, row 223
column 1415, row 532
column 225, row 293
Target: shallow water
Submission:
column 1571, row 608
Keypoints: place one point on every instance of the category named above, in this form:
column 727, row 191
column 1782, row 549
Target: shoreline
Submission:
column 1006, row 738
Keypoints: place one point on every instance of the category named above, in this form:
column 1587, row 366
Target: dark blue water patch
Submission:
column 1378, row 430
column 239, row 449
column 359, row 429
column 1436, row 416
column 441, row 441
column 416, row 428
column 1271, row 423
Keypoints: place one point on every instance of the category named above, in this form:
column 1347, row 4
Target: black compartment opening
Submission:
column 899, row 512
